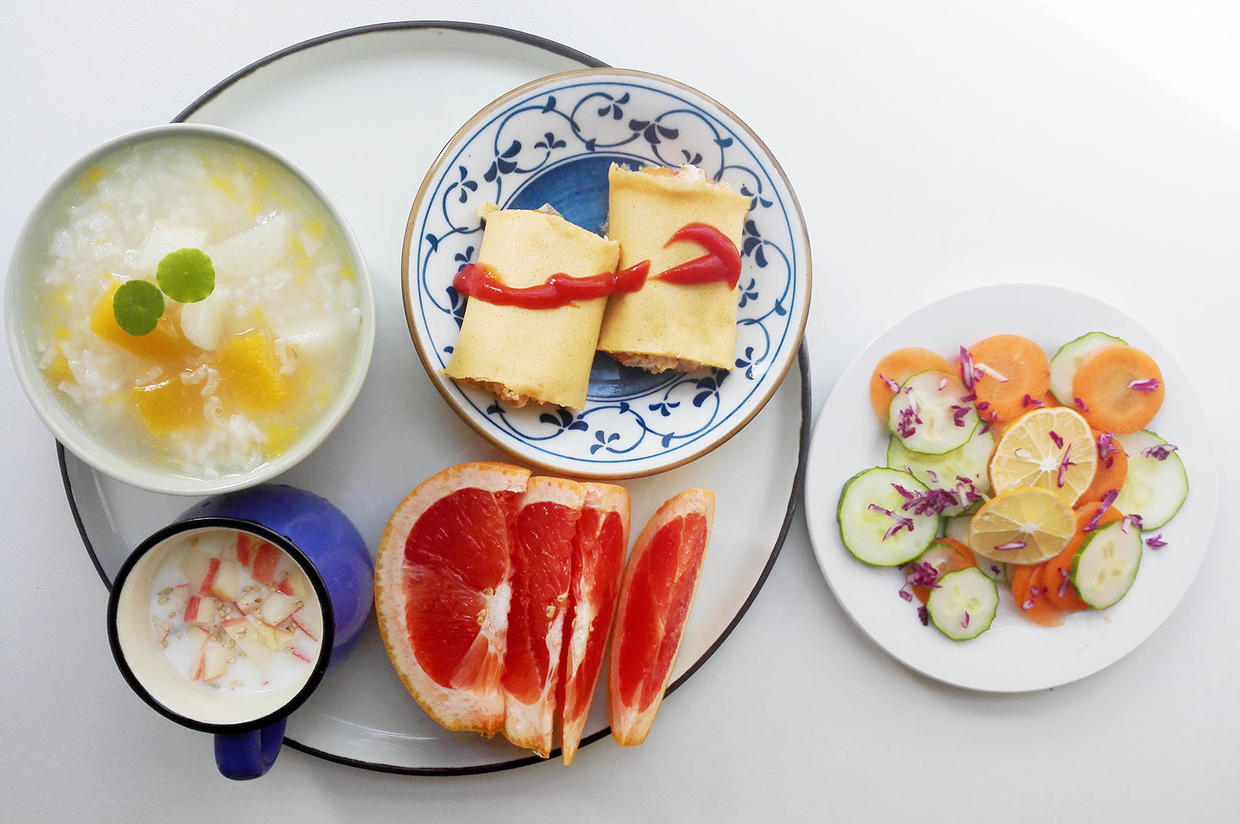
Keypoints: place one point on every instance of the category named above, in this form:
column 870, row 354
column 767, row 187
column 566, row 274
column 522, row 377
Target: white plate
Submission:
column 364, row 113
column 1015, row 654
column 552, row 141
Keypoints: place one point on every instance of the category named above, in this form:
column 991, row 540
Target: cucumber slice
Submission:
column 1153, row 489
column 943, row 471
column 1069, row 359
column 866, row 532
column 1107, row 563
column 939, row 555
column 963, row 604
column 958, row 528
column 923, row 413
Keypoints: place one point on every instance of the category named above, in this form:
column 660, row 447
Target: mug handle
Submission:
column 244, row 755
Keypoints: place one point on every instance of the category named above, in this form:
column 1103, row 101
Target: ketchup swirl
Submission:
column 722, row 262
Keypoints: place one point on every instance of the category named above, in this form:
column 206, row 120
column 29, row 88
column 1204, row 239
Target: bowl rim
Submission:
column 572, row 466
column 92, row 450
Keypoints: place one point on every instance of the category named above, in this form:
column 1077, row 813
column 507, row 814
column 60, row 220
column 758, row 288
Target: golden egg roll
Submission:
column 670, row 325
column 540, row 355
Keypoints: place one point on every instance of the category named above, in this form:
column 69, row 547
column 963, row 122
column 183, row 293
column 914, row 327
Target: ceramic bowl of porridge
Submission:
column 187, row 312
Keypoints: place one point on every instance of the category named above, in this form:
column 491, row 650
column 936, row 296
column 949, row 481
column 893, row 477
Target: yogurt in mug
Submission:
column 220, row 625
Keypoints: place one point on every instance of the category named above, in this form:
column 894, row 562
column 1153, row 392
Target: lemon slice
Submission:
column 1049, row 448
column 1024, row 526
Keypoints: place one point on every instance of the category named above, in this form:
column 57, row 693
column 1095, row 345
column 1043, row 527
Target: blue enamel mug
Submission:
column 226, row 620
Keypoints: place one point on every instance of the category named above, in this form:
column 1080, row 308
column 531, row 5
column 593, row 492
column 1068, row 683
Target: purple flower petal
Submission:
column 1056, row 439
column 1080, row 404
column 1156, row 542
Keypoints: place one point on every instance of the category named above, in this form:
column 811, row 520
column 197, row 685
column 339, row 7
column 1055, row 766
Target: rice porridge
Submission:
column 222, row 385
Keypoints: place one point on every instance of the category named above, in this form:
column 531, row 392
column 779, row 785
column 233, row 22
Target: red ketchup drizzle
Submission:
column 722, row 262
column 477, row 280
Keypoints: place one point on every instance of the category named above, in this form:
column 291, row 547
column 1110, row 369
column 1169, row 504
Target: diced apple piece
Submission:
column 208, row 580
column 245, row 547
column 310, row 622
column 226, row 585
column 200, row 610
column 177, row 600
column 256, row 650
column 275, row 638
column 278, row 608
column 194, row 566
column 212, row 662
column 299, row 584
column 250, row 599
column 266, row 563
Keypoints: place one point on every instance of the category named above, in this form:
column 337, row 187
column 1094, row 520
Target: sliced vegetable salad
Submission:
column 1009, row 470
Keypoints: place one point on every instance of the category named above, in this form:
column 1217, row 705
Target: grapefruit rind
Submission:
column 454, row 709
column 630, row 725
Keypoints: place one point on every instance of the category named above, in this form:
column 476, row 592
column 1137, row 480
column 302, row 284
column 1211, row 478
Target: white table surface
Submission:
column 934, row 145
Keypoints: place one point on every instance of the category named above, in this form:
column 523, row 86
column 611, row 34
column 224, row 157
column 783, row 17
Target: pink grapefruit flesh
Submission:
column 545, row 525
column 660, row 580
column 598, row 561
column 442, row 590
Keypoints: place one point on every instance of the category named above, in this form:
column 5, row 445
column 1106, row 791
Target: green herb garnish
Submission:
column 138, row 306
column 186, row 275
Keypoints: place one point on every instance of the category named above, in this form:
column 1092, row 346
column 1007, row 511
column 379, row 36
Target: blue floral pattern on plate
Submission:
column 552, row 142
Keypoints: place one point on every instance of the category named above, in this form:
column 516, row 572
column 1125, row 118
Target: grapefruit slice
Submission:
column 442, row 592
column 598, row 561
column 659, row 582
column 543, row 534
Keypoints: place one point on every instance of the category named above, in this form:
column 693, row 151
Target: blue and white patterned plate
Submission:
column 552, row 141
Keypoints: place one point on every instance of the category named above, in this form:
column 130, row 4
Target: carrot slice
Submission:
column 1121, row 387
column 1030, row 593
column 961, row 558
column 1015, row 374
column 1110, row 474
column 1056, row 576
column 898, row 366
